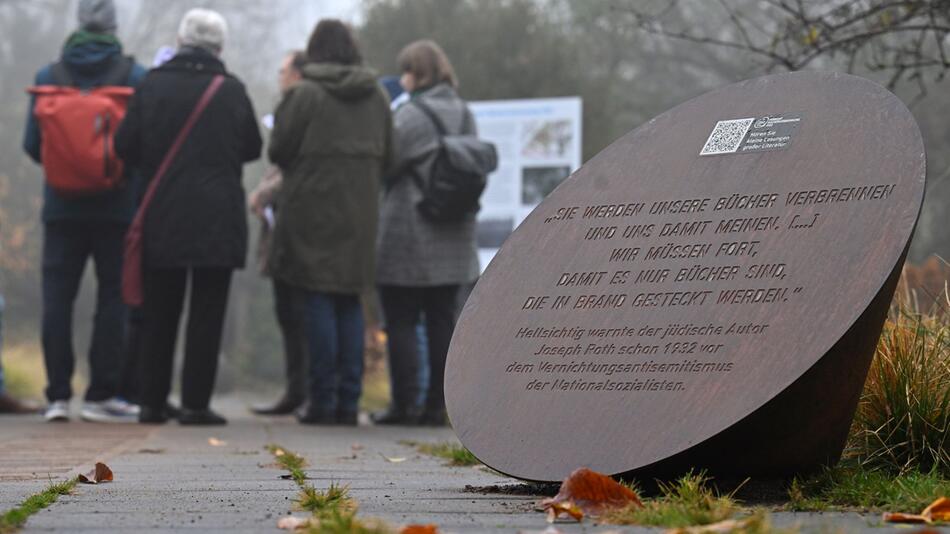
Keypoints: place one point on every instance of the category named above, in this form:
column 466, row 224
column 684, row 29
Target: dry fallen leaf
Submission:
column 279, row 452
column 938, row 511
column 550, row 530
column 215, row 442
column 101, row 473
column 419, row 529
column 292, row 523
column 897, row 517
column 586, row 492
column 356, row 447
column 393, row 460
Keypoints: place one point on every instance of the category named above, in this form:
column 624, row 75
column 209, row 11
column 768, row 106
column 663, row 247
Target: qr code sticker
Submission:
column 726, row 137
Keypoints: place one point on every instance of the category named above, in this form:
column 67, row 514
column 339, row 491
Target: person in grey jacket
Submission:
column 421, row 264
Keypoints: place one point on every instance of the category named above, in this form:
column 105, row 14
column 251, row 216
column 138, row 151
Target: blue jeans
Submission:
column 334, row 324
column 67, row 246
column 422, row 338
column 1, row 344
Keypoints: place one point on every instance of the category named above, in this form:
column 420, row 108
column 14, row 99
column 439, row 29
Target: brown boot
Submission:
column 12, row 405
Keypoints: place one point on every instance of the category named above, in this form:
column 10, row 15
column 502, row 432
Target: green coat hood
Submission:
column 347, row 82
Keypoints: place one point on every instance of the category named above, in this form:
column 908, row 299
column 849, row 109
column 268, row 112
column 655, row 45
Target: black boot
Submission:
column 200, row 417
column 13, row 405
column 153, row 416
column 397, row 416
column 434, row 417
column 347, row 417
column 314, row 415
column 284, row 406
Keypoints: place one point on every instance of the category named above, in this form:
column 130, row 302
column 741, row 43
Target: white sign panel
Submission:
column 539, row 145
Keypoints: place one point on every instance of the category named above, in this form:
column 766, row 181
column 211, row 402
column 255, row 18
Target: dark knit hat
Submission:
column 97, row 16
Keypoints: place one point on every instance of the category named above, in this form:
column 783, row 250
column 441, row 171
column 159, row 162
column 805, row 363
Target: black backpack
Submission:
column 459, row 173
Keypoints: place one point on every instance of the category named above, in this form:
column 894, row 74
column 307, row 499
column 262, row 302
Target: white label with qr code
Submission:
column 726, row 137
column 754, row 134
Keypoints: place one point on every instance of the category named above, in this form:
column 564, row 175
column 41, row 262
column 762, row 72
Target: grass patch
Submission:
column 898, row 456
column 455, row 453
column 685, row 502
column 323, row 504
column 14, row 519
column 850, row 487
column 333, row 508
column 347, row 523
column 902, row 422
column 904, row 414
column 292, row 462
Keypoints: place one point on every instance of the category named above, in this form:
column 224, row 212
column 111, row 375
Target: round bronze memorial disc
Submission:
column 687, row 276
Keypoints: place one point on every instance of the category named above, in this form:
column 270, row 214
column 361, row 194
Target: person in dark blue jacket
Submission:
column 76, row 228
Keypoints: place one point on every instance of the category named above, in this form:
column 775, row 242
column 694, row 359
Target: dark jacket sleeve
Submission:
column 128, row 138
column 31, row 137
column 251, row 142
column 290, row 123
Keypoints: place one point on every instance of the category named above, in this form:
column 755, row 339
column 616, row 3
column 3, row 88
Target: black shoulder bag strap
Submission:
column 439, row 125
column 439, row 128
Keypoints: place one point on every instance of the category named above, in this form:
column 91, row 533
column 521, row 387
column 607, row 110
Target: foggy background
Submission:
column 502, row 49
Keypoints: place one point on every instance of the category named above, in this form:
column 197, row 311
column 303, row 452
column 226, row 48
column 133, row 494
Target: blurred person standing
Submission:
column 422, row 263
column 397, row 383
column 79, row 226
column 8, row 403
column 194, row 229
column 331, row 138
column 288, row 304
column 130, row 382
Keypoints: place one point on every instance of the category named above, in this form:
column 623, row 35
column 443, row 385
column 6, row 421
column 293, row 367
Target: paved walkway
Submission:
column 172, row 479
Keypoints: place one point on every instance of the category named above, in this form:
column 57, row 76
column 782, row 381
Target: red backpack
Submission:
column 78, row 128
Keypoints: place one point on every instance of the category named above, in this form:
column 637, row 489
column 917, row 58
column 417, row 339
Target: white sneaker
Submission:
column 114, row 410
column 57, row 411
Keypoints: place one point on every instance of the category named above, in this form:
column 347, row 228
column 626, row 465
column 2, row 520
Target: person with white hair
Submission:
column 193, row 219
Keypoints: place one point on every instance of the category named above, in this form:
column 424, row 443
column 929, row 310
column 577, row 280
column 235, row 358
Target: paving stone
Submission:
column 171, row 479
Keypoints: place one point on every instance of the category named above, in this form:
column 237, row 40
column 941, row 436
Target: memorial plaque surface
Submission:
column 706, row 292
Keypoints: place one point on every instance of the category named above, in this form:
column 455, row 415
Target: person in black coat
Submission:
column 195, row 226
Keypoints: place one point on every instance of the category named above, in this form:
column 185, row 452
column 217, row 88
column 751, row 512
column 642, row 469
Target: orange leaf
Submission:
column 938, row 510
column 897, row 517
column 101, row 473
column 586, row 492
column 567, row 508
column 419, row 529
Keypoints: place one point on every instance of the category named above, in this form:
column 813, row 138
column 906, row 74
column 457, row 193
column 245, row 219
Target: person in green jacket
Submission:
column 331, row 140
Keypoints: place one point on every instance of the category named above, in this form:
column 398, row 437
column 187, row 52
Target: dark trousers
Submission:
column 334, row 325
column 290, row 308
column 402, row 307
column 67, row 246
column 164, row 300
column 130, row 381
